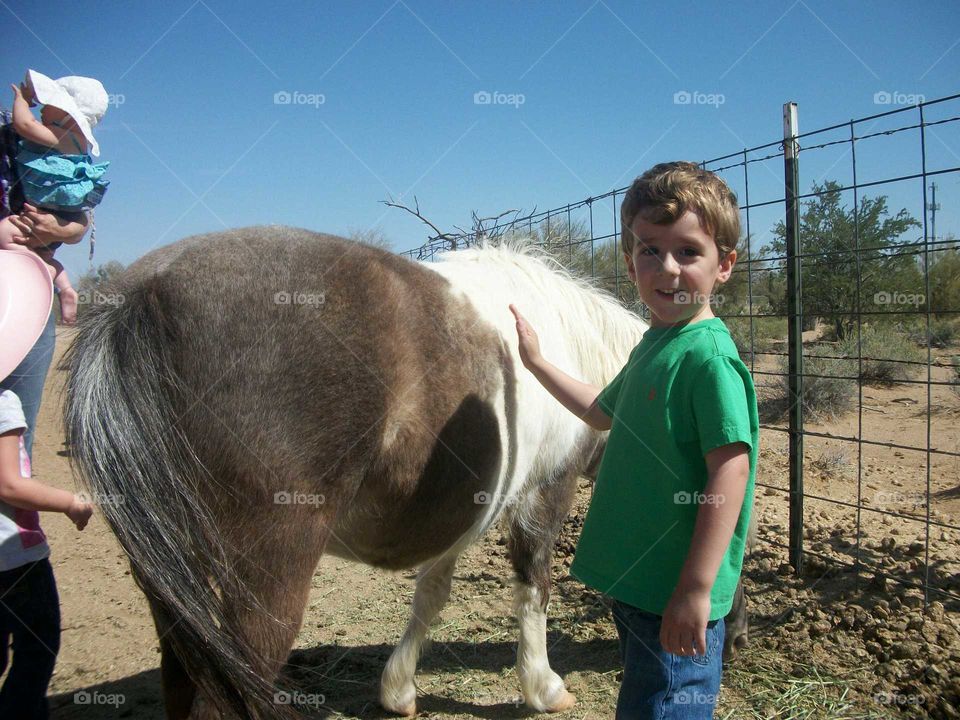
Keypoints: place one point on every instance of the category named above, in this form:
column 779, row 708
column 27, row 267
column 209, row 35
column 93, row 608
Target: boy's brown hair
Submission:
column 666, row 191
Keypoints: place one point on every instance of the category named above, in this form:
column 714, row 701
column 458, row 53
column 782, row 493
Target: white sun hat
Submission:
column 82, row 98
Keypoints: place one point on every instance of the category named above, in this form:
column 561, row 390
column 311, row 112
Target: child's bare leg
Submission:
column 68, row 296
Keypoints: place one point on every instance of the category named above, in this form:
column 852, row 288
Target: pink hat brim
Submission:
column 26, row 295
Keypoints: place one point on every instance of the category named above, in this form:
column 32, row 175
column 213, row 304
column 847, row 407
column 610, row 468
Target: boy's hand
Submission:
column 79, row 512
column 529, row 343
column 684, row 627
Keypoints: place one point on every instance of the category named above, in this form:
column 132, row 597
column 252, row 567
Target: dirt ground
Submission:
column 829, row 644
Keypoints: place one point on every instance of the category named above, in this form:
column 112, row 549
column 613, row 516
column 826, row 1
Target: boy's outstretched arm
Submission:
column 578, row 397
column 684, row 625
column 28, row 494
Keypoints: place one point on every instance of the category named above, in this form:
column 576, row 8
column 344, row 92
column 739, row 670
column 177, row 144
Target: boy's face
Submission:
column 675, row 268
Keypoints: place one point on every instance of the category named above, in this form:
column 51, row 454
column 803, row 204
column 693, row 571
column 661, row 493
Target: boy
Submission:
column 665, row 532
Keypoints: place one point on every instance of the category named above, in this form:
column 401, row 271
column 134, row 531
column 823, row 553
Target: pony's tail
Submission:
column 142, row 473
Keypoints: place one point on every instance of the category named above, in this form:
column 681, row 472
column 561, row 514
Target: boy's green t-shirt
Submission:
column 683, row 392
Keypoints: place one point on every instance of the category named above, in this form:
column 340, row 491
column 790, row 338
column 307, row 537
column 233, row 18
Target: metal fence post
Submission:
column 791, row 181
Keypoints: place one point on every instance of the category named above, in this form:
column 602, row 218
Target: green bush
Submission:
column 765, row 331
column 827, row 392
column 940, row 335
column 887, row 354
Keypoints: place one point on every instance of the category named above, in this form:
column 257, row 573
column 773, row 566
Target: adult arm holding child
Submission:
column 580, row 398
column 28, row 494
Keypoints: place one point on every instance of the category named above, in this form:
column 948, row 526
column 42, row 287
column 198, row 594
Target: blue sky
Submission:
column 198, row 143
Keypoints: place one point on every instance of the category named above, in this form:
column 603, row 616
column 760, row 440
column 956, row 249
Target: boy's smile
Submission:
column 675, row 268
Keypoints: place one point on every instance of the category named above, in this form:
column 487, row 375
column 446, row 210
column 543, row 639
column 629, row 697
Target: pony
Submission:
column 260, row 396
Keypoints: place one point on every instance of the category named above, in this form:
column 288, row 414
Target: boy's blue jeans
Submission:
column 658, row 685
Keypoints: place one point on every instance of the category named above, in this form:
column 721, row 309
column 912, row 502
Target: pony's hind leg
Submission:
column 397, row 690
column 533, row 532
column 179, row 691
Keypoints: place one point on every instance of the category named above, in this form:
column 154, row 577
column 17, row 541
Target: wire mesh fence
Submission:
column 843, row 304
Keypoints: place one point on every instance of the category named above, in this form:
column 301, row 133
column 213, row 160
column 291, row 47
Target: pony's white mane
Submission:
column 602, row 332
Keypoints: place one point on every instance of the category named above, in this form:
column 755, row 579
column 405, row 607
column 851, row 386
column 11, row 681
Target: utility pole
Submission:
column 933, row 206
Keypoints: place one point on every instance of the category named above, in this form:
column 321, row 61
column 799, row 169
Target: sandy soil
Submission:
column 831, row 643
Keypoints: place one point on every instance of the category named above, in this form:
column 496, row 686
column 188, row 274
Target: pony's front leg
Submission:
column 542, row 688
column 397, row 691
column 533, row 531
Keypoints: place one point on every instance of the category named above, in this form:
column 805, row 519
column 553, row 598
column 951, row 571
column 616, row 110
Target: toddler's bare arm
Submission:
column 26, row 125
column 578, row 397
column 28, row 494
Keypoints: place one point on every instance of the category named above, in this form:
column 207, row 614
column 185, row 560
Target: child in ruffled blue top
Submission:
column 54, row 161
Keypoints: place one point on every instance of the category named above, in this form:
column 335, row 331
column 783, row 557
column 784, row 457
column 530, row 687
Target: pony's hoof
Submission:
column 564, row 701
column 404, row 706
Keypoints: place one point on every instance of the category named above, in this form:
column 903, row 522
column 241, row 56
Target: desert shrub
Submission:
column 940, row 335
column 887, row 353
column 766, row 330
column 827, row 390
